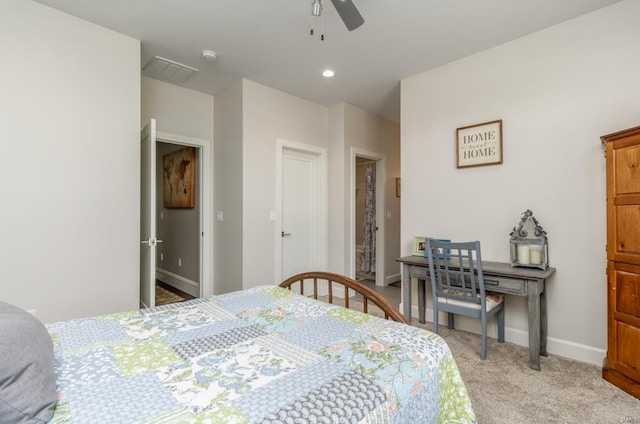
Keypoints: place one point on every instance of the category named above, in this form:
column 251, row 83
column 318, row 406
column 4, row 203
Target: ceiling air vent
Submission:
column 168, row 70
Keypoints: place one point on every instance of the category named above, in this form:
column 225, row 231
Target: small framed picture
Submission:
column 419, row 245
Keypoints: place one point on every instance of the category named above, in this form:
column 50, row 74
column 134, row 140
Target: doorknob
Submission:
column 285, row 234
column 151, row 242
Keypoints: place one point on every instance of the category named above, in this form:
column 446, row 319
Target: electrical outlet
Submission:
column 161, row 257
column 179, row 262
column 220, row 216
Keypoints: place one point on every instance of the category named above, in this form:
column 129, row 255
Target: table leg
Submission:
column 534, row 325
column 406, row 291
column 421, row 300
column 543, row 322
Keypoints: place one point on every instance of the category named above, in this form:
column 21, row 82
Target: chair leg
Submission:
column 501, row 326
column 483, row 353
column 450, row 322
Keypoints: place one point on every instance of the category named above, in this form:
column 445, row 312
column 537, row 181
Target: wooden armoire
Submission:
column 622, row 364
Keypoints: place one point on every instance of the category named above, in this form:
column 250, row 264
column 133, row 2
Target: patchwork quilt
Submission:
column 264, row 355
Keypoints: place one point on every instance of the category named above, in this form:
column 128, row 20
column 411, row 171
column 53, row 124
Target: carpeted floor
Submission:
column 503, row 389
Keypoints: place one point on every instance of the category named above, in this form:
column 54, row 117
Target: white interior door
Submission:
column 300, row 216
column 148, row 239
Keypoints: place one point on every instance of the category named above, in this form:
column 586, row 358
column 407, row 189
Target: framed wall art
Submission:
column 479, row 145
column 178, row 178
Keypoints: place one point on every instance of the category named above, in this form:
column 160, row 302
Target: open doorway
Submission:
column 178, row 256
column 365, row 219
column 164, row 251
column 367, row 213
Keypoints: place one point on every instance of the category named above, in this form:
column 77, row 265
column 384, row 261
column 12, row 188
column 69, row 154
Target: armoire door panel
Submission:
column 627, row 229
column 627, row 289
column 627, row 170
column 628, row 350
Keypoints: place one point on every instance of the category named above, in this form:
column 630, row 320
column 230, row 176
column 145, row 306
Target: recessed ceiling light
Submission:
column 328, row 73
column 209, row 55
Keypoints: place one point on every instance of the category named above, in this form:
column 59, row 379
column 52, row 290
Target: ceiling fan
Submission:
column 345, row 8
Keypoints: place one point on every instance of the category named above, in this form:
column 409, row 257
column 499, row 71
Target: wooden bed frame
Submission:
column 368, row 295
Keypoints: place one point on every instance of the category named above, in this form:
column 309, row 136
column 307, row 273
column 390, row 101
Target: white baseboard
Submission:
column 559, row 347
column 391, row 279
column 178, row 282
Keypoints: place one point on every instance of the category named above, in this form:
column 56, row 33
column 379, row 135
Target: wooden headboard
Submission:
column 330, row 278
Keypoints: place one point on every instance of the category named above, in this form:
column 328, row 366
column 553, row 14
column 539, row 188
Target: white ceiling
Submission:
column 268, row 41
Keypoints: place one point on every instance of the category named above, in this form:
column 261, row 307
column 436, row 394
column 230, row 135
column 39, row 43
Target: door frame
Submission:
column 322, row 196
column 206, row 205
column 380, row 211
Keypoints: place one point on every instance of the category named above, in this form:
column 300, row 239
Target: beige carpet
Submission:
column 503, row 389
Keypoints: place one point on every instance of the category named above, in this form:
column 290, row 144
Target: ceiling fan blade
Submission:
column 349, row 14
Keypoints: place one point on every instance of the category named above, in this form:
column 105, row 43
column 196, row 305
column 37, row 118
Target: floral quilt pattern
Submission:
column 264, row 355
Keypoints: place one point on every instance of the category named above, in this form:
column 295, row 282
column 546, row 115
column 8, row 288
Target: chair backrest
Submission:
column 456, row 270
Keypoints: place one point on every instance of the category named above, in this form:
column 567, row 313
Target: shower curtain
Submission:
column 368, row 264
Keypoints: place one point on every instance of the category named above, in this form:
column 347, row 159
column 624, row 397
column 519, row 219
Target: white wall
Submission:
column 228, row 189
column 69, row 116
column 557, row 91
column 338, row 227
column 371, row 133
column 269, row 115
column 177, row 110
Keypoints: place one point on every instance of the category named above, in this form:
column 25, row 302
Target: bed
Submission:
column 265, row 355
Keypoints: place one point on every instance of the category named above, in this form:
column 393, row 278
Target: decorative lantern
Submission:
column 529, row 246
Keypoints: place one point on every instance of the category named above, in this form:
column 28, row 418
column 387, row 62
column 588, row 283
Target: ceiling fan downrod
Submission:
column 316, row 11
column 346, row 10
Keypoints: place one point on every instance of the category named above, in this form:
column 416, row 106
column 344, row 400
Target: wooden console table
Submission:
column 499, row 277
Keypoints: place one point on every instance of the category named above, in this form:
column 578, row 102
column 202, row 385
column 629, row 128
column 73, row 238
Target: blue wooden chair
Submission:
column 457, row 284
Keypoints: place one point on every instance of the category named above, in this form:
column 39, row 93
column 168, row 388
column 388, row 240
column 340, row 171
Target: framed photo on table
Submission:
column 419, row 245
column 479, row 145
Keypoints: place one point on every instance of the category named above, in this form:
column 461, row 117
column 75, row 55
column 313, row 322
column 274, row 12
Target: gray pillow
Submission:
column 27, row 374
